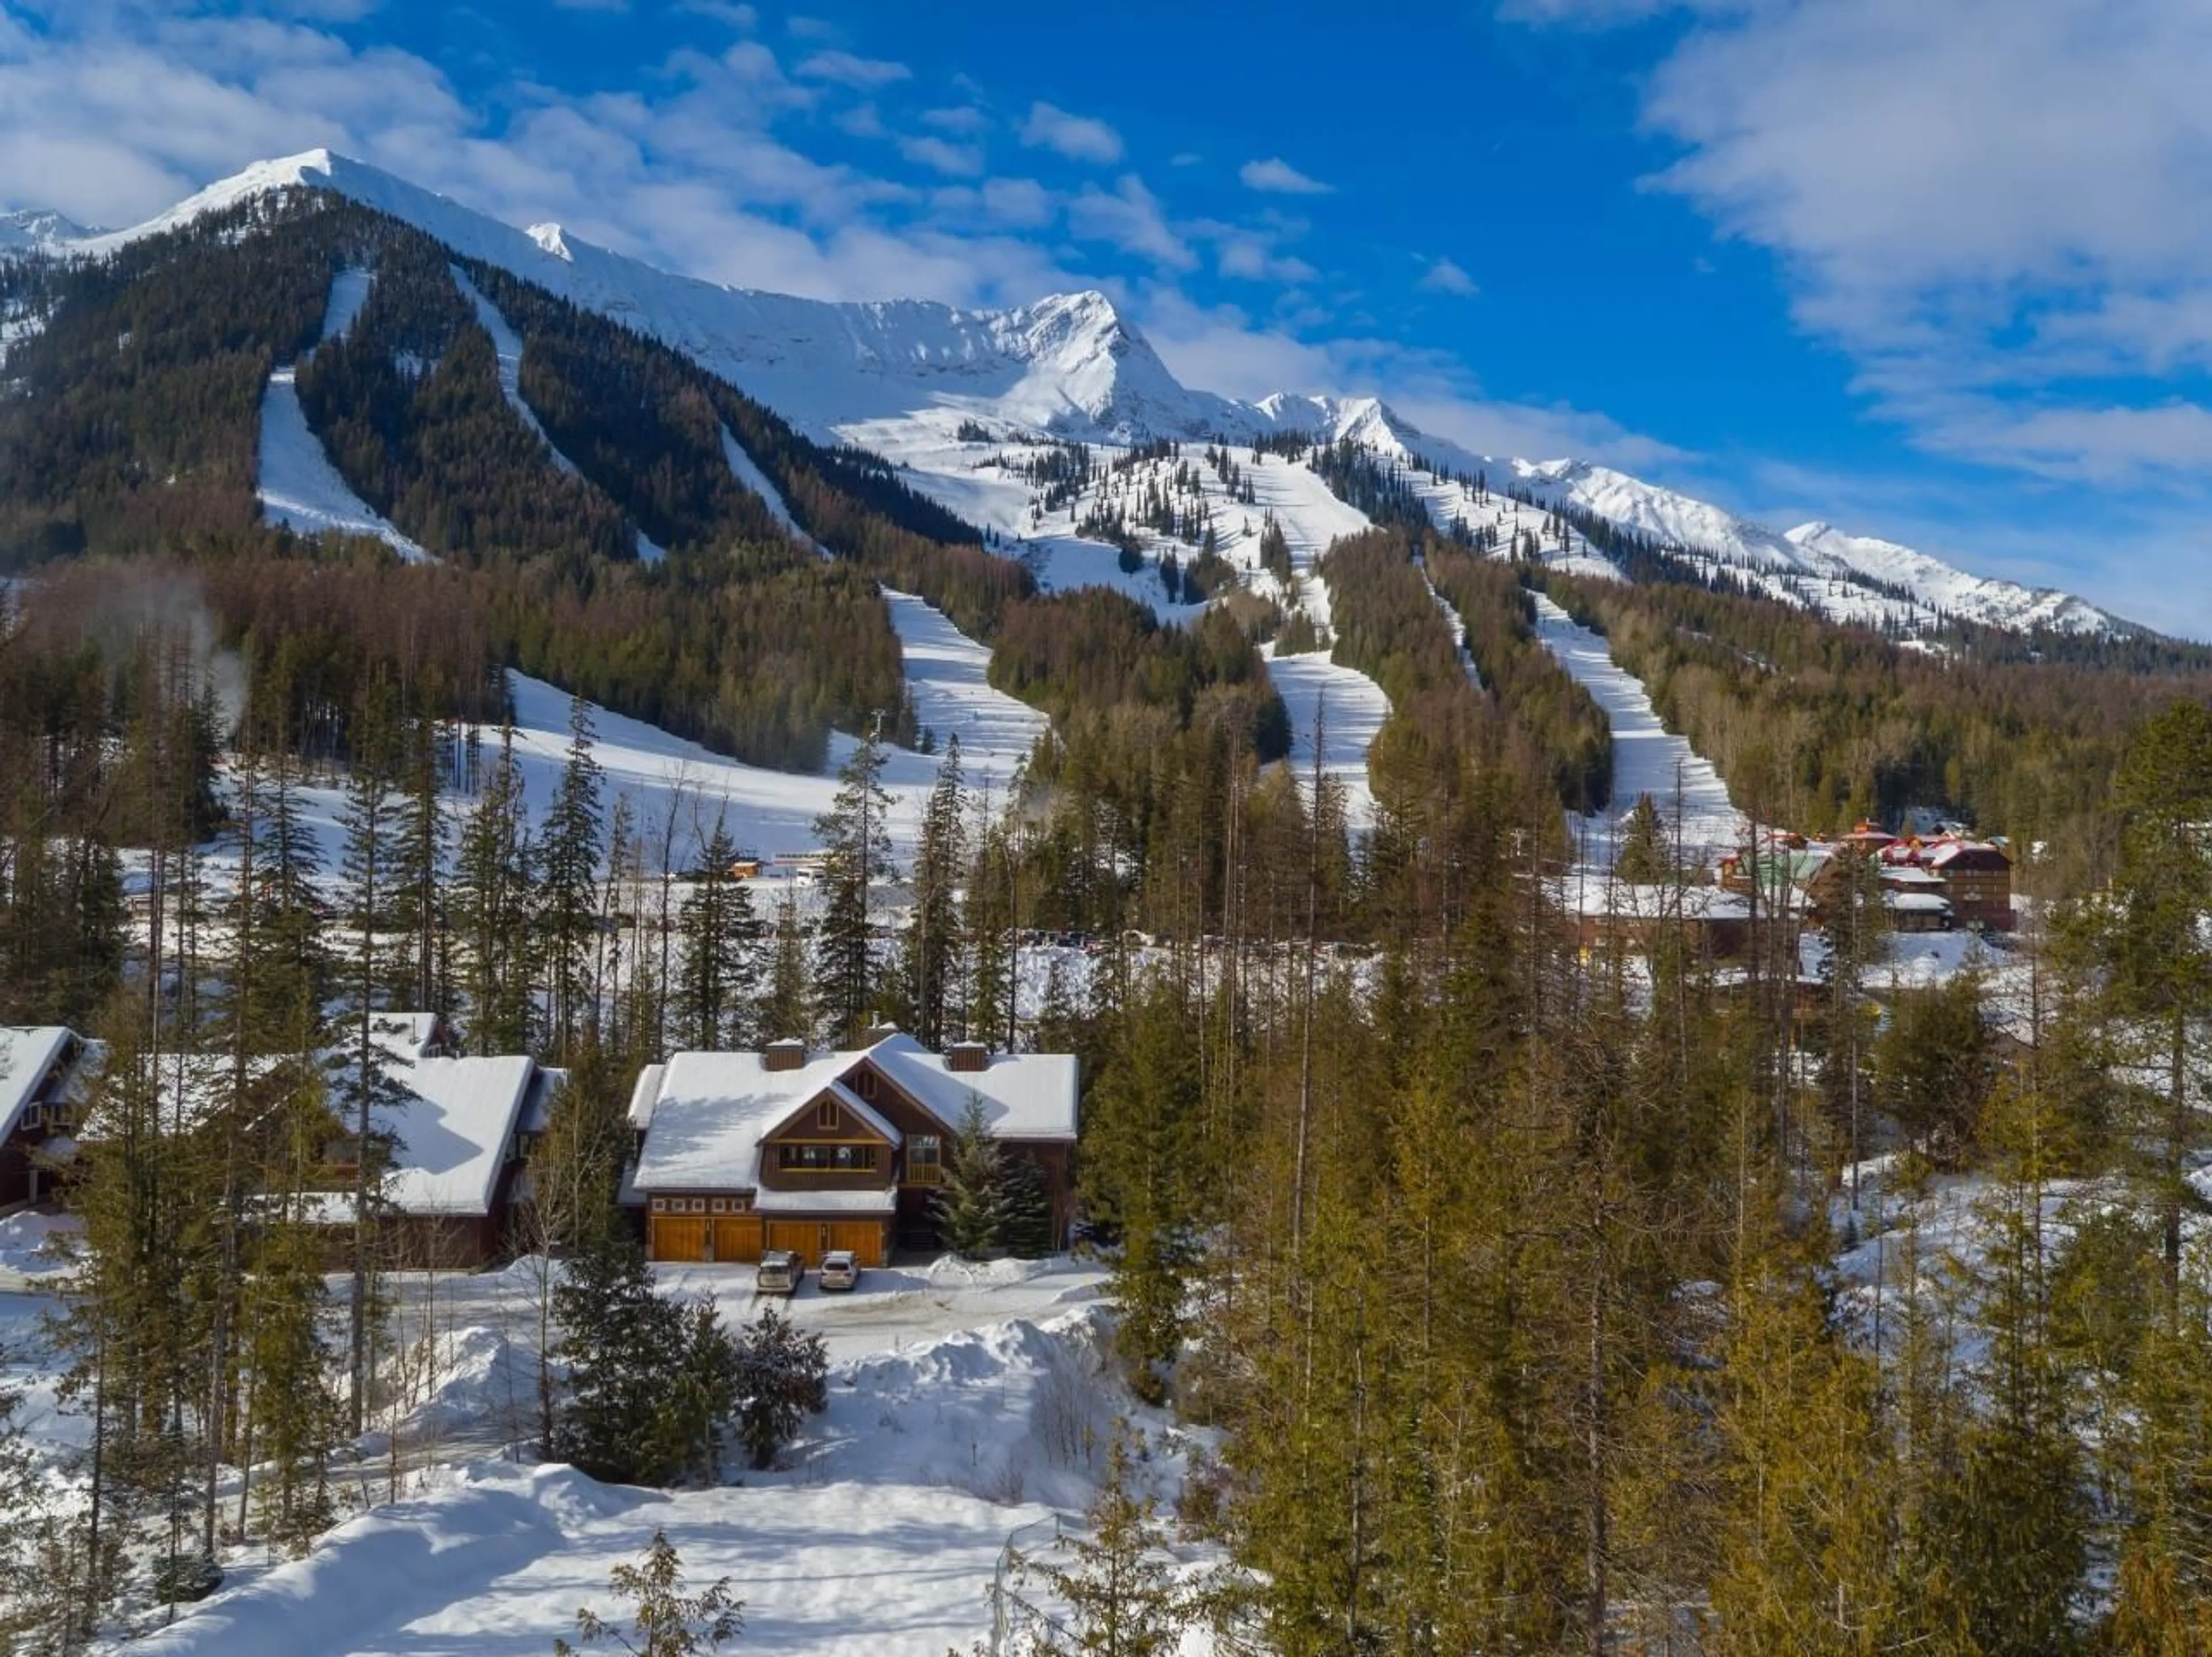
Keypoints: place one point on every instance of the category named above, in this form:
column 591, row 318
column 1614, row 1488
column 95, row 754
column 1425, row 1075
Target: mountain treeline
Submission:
column 1818, row 726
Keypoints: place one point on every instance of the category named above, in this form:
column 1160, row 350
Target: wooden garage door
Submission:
column 802, row 1237
column 737, row 1236
column 811, row 1239
column 676, row 1237
column 863, row 1237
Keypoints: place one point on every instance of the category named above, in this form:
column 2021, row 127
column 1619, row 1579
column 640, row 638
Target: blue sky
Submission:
column 1938, row 272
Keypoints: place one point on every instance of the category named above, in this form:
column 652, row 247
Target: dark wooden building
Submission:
column 740, row 1152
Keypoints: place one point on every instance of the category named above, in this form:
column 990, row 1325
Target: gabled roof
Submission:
column 1024, row 1096
column 1967, row 854
column 27, row 1054
column 847, row 1100
column 451, row 1131
column 709, row 1112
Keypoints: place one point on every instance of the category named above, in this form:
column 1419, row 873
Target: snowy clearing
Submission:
column 299, row 487
column 969, row 1407
column 1350, row 707
column 1647, row 758
column 947, row 675
column 507, row 345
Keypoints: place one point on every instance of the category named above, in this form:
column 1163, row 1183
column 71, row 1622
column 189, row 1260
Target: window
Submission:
column 660, row 1205
column 864, row 1084
column 826, row 1159
column 825, row 1116
column 718, row 1205
column 698, row 1204
column 925, row 1155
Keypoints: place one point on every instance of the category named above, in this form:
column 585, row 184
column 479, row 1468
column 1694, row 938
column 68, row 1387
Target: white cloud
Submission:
column 736, row 15
column 960, row 160
column 1278, row 177
column 1445, row 276
column 1079, row 137
column 844, row 69
column 1222, row 348
column 1130, row 218
column 962, row 120
column 2013, row 197
column 1021, row 202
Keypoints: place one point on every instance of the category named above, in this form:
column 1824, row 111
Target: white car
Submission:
column 839, row 1270
column 780, row 1274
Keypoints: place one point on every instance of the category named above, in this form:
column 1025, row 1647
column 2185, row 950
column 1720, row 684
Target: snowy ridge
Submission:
column 1070, row 366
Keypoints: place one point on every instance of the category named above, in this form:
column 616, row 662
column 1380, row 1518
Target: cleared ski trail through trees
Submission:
column 1647, row 757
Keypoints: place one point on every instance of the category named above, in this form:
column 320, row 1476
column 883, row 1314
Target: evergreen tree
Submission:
column 616, row 1336
column 718, row 972
column 787, row 1010
column 970, row 1211
column 1644, row 856
column 496, row 882
column 780, row 1377
column 853, row 835
column 666, row 1621
column 568, row 889
column 362, row 1081
column 931, row 947
column 1024, row 1209
column 1123, row 1594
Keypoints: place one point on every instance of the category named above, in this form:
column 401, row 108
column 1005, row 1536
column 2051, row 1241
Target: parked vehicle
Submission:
column 780, row 1274
column 838, row 1271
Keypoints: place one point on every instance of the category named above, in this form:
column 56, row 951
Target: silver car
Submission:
column 838, row 1271
column 780, row 1274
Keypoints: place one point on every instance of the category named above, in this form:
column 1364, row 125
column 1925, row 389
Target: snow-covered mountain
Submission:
column 34, row 228
column 902, row 375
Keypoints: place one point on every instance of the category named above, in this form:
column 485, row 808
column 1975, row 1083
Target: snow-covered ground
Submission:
column 970, row 1408
column 947, row 676
column 1350, row 709
column 299, row 487
column 1647, row 758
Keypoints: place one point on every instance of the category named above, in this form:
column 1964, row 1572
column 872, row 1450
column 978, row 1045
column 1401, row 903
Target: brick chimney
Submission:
column 968, row 1056
column 787, row 1054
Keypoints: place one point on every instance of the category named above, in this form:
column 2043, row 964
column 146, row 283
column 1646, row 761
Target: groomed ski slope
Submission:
column 1351, row 708
column 299, row 487
column 1647, row 758
column 506, row 346
column 947, row 676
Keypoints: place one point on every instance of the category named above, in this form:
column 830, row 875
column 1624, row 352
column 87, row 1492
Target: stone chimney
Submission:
column 968, row 1056
column 789, row 1054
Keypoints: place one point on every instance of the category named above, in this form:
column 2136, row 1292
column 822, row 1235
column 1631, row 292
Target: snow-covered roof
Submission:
column 708, row 1113
column 642, row 1096
column 1605, row 894
column 1917, row 903
column 860, row 1107
column 27, row 1053
column 451, row 1132
column 1910, row 874
column 767, row 1201
column 1958, row 851
column 1025, row 1096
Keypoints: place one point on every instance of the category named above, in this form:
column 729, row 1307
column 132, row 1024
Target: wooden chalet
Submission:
column 1977, row 878
column 453, row 1142
column 40, row 1079
column 1602, row 910
column 810, row 1152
